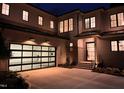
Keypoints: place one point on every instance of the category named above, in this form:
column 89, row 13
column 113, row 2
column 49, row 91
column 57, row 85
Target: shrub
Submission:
column 122, row 72
column 108, row 70
column 116, row 71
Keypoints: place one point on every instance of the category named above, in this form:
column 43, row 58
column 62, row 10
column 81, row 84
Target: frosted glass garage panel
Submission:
column 36, row 54
column 51, row 53
column 26, row 67
column 37, row 48
column 45, row 65
column 44, row 53
column 26, row 60
column 16, row 47
column 52, row 59
column 51, row 64
column 15, row 68
column 27, row 54
column 14, row 61
column 27, row 47
column 44, row 59
column 16, row 54
column 36, row 60
column 36, row 66
column 51, row 48
column 44, row 48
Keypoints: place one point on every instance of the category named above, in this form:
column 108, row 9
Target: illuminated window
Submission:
column 120, row 19
column 114, row 46
column 87, row 23
column 113, row 21
column 121, row 45
column 71, row 44
column 5, row 9
column 40, row 20
column 51, row 24
column 70, row 24
column 61, row 27
column 65, row 25
column 93, row 22
column 25, row 15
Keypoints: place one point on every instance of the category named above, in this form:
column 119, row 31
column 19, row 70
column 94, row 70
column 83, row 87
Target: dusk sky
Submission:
column 60, row 8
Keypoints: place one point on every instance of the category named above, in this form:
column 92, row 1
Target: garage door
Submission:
column 28, row 57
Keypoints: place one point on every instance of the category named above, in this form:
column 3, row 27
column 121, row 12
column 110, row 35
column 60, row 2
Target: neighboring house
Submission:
column 38, row 39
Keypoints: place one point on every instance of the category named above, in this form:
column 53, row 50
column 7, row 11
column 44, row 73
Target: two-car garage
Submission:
column 28, row 57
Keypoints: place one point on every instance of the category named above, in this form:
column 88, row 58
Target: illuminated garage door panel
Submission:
column 28, row 57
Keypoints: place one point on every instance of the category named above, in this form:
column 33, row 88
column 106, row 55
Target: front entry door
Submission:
column 90, row 47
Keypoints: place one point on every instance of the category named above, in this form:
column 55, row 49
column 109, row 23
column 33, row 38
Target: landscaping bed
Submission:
column 12, row 80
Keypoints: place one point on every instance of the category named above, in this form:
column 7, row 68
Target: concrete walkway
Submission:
column 64, row 78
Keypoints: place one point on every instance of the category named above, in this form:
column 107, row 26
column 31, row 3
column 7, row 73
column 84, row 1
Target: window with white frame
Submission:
column 70, row 24
column 25, row 15
column 114, row 46
column 65, row 25
column 121, row 45
column 87, row 23
column 5, row 9
column 61, row 27
column 113, row 21
column 52, row 24
column 93, row 22
column 120, row 19
column 40, row 20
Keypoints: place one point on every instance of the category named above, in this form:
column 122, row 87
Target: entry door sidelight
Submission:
column 90, row 47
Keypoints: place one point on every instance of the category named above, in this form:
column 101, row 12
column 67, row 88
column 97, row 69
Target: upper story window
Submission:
column 117, row 19
column 114, row 46
column 40, row 20
column 5, row 9
column 113, row 21
column 25, row 15
column 66, row 25
column 90, row 22
column 71, row 44
column 121, row 45
column 52, row 24
column 61, row 27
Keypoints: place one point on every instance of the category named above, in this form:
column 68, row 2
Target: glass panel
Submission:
column 27, row 47
column 44, row 59
column 114, row 45
column 44, row 48
column 14, row 61
column 44, row 53
column 51, row 48
column 25, row 15
column 26, row 67
column 45, row 65
column 36, row 65
column 27, row 54
column 65, row 25
column 37, row 48
column 40, row 20
column 120, row 19
column 61, row 27
column 93, row 22
column 5, row 9
column 91, row 51
column 16, row 54
column 121, row 45
column 36, row 60
column 70, row 24
column 15, row 68
column 113, row 21
column 87, row 22
column 16, row 46
column 51, row 53
column 36, row 54
column 26, row 60
column 51, row 64
column 51, row 24
column 52, row 59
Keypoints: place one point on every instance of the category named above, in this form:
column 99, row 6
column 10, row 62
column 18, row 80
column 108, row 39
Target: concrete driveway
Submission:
column 64, row 78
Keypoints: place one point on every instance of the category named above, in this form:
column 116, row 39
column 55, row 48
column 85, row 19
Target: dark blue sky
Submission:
column 60, row 8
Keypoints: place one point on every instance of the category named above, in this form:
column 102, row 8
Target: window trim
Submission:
column 28, row 16
column 38, row 20
column 52, row 24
